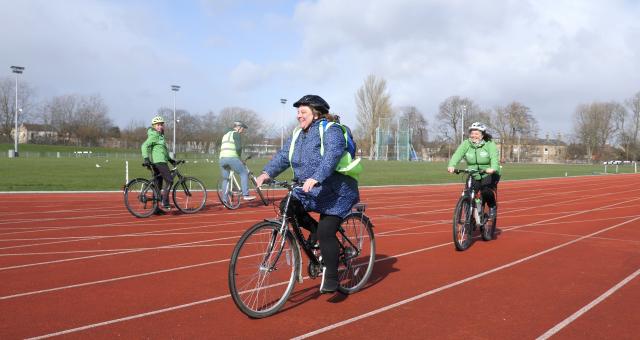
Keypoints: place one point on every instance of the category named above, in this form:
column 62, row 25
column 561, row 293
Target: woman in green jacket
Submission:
column 480, row 152
column 156, row 155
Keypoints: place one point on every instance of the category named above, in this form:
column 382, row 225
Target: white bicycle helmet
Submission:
column 156, row 120
column 478, row 126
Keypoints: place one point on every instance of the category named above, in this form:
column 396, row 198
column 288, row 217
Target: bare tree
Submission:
column 8, row 104
column 82, row 119
column 257, row 127
column 595, row 125
column 373, row 103
column 633, row 130
column 450, row 115
column 418, row 123
column 513, row 122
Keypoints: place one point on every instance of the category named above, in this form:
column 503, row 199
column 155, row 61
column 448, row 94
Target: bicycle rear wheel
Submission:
column 358, row 254
column 141, row 197
column 189, row 195
column 264, row 200
column 230, row 196
column 263, row 270
column 462, row 224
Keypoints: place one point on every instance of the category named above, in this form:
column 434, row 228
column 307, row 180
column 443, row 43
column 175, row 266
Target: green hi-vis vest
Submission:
column 228, row 148
column 346, row 166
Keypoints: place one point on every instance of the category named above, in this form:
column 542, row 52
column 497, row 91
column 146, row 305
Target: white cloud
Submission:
column 550, row 55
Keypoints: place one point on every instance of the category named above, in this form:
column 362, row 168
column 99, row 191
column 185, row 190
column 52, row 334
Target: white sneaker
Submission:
column 248, row 198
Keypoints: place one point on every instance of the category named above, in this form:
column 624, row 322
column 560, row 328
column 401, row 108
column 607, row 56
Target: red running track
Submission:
column 565, row 265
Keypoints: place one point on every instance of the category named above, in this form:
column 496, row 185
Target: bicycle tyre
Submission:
column 462, row 224
column 264, row 200
column 189, row 195
column 232, row 201
column 351, row 277
column 247, row 296
column 137, row 199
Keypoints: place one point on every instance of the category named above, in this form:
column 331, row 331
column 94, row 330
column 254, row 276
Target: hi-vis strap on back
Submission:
column 228, row 147
column 346, row 165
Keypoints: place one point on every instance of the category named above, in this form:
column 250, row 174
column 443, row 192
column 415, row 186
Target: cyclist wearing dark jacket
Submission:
column 480, row 153
column 326, row 191
column 156, row 155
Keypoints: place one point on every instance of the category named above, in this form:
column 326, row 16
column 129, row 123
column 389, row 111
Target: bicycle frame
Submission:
column 299, row 237
column 471, row 194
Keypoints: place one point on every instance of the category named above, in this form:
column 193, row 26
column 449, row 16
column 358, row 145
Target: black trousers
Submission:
column 166, row 177
column 325, row 231
column 487, row 187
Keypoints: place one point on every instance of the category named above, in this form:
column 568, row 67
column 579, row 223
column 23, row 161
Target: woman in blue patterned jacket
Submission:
column 324, row 191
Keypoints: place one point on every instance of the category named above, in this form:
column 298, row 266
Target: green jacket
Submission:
column 481, row 157
column 155, row 147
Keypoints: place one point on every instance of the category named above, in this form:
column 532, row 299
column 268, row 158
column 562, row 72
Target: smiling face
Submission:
column 159, row 127
column 475, row 135
column 305, row 117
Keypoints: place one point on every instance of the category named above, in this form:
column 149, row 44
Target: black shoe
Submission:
column 328, row 285
column 312, row 241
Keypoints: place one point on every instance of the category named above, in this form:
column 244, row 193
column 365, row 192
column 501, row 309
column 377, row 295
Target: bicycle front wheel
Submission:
column 358, row 252
column 230, row 195
column 462, row 224
column 189, row 195
column 263, row 270
column 141, row 197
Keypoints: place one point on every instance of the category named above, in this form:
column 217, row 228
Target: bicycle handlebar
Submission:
column 285, row 184
column 469, row 171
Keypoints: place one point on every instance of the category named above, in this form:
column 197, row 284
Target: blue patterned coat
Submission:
column 336, row 193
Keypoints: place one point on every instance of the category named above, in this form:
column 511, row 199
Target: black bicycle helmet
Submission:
column 314, row 101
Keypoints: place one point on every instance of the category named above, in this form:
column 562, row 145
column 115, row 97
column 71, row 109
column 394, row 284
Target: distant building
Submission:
column 538, row 150
column 35, row 133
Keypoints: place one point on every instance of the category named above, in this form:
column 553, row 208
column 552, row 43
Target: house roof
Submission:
column 38, row 127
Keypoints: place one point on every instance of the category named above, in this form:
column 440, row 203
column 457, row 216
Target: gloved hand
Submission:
column 172, row 161
column 146, row 162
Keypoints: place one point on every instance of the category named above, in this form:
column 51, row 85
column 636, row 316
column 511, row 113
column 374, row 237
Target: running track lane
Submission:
column 403, row 266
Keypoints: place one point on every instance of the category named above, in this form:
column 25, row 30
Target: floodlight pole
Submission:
column 174, row 88
column 282, row 101
column 464, row 108
column 17, row 70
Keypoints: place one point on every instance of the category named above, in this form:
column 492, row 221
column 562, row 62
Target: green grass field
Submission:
column 45, row 173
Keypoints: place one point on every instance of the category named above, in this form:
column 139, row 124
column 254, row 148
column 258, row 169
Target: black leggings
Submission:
column 488, row 187
column 165, row 173
column 326, row 230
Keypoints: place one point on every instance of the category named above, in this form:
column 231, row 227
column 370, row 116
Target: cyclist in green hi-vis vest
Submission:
column 230, row 152
column 481, row 153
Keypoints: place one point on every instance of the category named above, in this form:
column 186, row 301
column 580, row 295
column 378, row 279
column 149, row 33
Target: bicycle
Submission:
column 470, row 213
column 266, row 261
column 142, row 196
column 230, row 196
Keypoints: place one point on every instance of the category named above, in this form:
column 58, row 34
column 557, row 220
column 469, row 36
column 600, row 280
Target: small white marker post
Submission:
column 126, row 172
column 635, row 167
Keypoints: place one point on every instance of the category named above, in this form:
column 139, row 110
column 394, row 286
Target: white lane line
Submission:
column 119, row 278
column 555, row 329
column 136, row 316
column 103, row 255
column 454, row 284
column 387, row 258
column 89, row 251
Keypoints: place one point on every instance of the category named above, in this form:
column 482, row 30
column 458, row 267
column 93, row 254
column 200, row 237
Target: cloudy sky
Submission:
column 548, row 54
